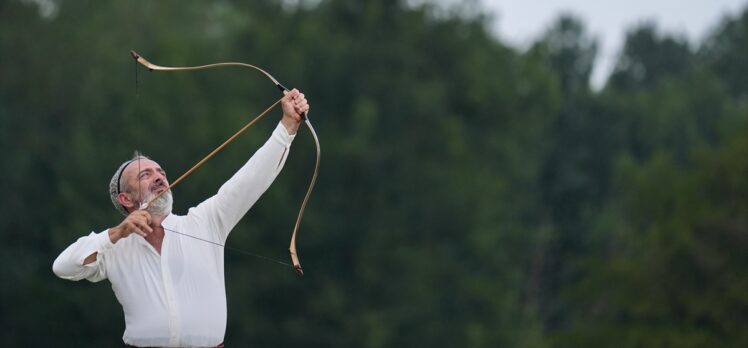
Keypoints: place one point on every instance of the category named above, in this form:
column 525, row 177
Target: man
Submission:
column 171, row 287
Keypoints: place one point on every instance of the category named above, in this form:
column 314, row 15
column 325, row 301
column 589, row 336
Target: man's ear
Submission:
column 125, row 200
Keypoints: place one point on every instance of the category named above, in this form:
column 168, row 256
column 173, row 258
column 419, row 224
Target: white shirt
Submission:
column 178, row 298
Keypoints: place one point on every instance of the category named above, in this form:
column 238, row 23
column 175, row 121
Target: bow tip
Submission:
column 297, row 269
column 134, row 55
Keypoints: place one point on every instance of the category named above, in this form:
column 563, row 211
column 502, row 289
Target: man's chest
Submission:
column 171, row 262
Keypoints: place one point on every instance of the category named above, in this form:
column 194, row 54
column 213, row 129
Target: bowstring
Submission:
column 138, row 138
column 231, row 248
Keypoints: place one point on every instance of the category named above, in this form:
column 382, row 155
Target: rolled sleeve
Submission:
column 237, row 195
column 69, row 265
column 280, row 134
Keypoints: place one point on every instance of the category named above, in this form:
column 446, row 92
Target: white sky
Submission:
column 521, row 21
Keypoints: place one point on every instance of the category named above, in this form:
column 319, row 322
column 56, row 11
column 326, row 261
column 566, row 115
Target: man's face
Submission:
column 143, row 179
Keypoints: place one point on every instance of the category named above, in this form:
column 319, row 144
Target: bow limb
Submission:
column 152, row 66
column 292, row 247
column 304, row 116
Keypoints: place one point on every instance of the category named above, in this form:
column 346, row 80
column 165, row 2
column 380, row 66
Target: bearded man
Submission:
column 172, row 288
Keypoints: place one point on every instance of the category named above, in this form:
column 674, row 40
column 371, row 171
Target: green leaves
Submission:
column 470, row 194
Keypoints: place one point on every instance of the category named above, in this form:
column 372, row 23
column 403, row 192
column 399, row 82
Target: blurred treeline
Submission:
column 472, row 194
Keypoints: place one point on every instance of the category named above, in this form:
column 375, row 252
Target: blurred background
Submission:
column 477, row 188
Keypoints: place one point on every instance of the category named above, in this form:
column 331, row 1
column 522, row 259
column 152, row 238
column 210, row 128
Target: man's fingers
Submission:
column 295, row 104
column 144, row 214
column 140, row 228
column 139, row 223
column 292, row 93
column 131, row 227
column 142, row 222
column 147, row 216
column 300, row 104
column 145, row 227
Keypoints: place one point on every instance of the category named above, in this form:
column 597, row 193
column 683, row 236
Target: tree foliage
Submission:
column 470, row 194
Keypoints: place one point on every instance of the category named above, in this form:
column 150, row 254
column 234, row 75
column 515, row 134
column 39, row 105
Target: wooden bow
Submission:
column 304, row 116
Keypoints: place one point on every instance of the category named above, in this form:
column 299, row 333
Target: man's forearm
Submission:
column 75, row 262
column 246, row 186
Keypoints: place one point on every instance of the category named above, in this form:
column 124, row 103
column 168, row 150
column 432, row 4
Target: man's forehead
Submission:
column 142, row 164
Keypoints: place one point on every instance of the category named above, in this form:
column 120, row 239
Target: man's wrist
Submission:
column 115, row 234
column 292, row 126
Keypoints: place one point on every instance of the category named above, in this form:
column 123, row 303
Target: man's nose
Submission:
column 160, row 177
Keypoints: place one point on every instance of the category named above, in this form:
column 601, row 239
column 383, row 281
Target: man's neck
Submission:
column 156, row 238
column 156, row 220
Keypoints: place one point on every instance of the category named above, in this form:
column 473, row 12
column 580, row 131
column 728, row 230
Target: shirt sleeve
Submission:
column 69, row 265
column 224, row 210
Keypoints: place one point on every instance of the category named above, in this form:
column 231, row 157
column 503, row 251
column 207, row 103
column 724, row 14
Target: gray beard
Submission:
column 161, row 206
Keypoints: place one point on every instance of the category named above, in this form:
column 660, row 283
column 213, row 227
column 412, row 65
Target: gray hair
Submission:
column 115, row 185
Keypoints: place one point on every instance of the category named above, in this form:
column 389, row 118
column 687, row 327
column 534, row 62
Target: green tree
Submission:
column 649, row 56
column 676, row 257
column 655, row 275
column 726, row 53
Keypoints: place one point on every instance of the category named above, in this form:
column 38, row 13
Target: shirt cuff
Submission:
column 280, row 134
column 102, row 244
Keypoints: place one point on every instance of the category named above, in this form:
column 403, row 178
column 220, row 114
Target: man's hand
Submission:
column 137, row 222
column 294, row 104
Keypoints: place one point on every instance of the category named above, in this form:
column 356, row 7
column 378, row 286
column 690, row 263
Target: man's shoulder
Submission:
column 172, row 219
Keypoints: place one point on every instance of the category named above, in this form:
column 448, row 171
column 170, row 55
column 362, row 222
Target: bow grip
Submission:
column 283, row 88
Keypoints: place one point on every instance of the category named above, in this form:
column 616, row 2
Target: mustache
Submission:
column 157, row 185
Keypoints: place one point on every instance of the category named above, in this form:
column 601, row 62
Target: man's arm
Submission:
column 239, row 193
column 224, row 210
column 80, row 260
